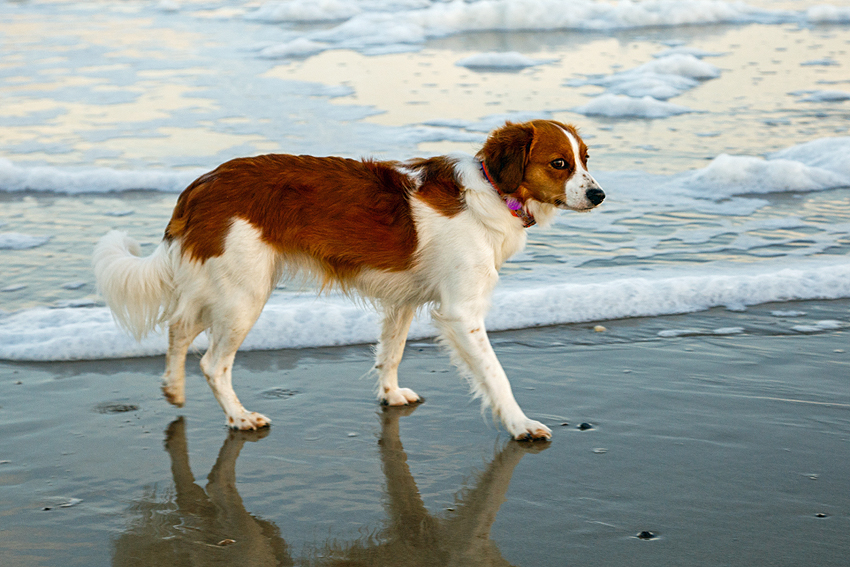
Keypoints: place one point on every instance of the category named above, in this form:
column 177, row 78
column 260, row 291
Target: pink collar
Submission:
column 514, row 205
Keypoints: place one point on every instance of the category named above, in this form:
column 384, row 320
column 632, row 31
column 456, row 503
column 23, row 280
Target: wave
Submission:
column 52, row 179
column 380, row 27
column 307, row 320
column 812, row 166
column 626, row 106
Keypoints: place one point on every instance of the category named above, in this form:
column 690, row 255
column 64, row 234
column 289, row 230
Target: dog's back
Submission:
column 344, row 213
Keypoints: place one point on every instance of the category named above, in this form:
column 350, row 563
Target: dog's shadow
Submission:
column 210, row 526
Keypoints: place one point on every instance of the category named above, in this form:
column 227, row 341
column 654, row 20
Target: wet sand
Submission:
column 727, row 448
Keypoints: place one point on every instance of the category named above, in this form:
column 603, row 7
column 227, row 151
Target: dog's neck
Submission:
column 514, row 206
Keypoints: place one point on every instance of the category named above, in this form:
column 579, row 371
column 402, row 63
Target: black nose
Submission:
column 595, row 195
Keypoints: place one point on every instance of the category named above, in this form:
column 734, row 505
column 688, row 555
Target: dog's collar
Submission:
column 514, row 205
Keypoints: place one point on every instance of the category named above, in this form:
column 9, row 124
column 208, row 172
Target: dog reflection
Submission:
column 210, row 526
column 412, row 536
column 196, row 526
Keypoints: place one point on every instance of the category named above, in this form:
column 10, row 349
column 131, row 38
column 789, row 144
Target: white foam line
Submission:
column 387, row 28
column 299, row 321
column 15, row 178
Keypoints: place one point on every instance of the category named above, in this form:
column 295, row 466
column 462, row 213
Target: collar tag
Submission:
column 514, row 205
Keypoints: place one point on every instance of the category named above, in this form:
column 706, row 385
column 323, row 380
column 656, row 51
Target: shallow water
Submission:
column 727, row 447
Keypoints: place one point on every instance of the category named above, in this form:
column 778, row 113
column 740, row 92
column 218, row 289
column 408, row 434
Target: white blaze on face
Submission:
column 580, row 182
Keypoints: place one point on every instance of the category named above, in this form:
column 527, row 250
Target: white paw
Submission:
column 400, row 397
column 175, row 395
column 247, row 421
column 530, row 430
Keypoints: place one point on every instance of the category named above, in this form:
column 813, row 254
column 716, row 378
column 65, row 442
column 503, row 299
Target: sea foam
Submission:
column 662, row 78
column 825, row 96
column 388, row 26
column 623, row 106
column 90, row 180
column 307, row 320
column 18, row 241
column 506, row 61
column 812, row 166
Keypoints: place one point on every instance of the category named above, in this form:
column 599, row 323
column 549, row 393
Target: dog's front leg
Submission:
column 463, row 329
column 388, row 355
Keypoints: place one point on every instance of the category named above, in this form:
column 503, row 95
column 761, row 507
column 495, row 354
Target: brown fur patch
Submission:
column 505, row 154
column 344, row 213
column 440, row 188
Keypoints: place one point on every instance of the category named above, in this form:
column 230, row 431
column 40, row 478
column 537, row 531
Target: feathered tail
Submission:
column 137, row 290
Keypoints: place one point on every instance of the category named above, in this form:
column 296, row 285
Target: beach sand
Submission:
column 725, row 447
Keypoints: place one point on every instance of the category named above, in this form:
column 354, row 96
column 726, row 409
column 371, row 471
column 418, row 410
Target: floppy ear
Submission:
column 505, row 154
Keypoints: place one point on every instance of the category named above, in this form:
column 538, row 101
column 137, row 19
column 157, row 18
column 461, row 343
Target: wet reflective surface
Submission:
column 720, row 442
column 207, row 523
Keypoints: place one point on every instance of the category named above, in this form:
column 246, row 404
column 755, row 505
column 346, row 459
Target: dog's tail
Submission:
column 137, row 290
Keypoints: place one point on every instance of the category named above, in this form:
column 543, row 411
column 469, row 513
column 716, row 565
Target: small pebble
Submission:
column 585, row 426
column 646, row 535
column 564, row 424
column 224, row 542
column 115, row 407
column 599, row 329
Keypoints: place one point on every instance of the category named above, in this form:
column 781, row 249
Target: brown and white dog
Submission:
column 429, row 231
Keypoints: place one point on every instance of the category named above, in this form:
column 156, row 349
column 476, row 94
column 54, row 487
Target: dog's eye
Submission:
column 559, row 163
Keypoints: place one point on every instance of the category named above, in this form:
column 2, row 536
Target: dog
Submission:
column 428, row 231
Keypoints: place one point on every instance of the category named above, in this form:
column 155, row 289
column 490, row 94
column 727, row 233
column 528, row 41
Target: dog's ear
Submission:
column 505, row 154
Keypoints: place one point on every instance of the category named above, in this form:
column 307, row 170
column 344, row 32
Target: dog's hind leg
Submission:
column 226, row 335
column 180, row 337
column 240, row 282
column 396, row 323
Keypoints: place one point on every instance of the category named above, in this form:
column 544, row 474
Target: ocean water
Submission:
column 719, row 131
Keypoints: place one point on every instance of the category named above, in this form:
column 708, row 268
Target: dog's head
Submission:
column 542, row 160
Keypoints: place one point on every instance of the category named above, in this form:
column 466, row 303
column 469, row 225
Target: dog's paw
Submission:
column 248, row 421
column 175, row 395
column 532, row 431
column 400, row 397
